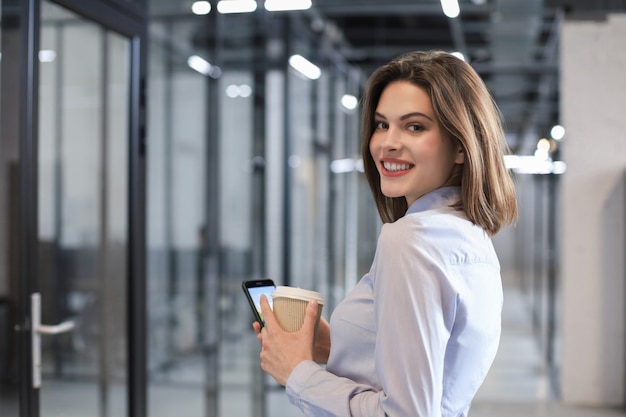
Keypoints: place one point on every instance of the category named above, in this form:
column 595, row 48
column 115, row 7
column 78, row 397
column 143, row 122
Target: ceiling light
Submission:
column 234, row 91
column 543, row 145
column 557, row 132
column 201, row 7
column 349, row 101
column 245, row 90
column 283, row 5
column 47, row 55
column 458, row 55
column 204, row 67
column 529, row 164
column 305, row 67
column 236, row 6
column 450, row 8
column 342, row 166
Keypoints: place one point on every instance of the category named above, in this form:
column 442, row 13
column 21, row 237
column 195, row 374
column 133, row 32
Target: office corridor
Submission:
column 517, row 385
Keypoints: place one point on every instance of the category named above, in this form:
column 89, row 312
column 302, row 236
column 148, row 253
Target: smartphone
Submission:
column 253, row 290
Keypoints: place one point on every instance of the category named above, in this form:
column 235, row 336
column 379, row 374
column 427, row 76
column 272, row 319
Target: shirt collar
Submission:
column 441, row 197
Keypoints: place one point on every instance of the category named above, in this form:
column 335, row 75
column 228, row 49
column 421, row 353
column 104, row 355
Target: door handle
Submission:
column 39, row 329
column 63, row 327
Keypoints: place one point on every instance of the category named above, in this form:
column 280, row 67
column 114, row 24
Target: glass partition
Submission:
column 8, row 386
column 302, row 187
column 176, row 215
column 83, row 213
column 240, row 187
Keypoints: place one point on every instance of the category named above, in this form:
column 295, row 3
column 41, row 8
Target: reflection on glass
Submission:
column 217, row 156
column 4, row 305
column 83, row 206
column 10, row 53
column 176, row 231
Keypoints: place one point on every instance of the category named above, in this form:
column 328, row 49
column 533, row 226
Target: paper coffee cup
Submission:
column 289, row 305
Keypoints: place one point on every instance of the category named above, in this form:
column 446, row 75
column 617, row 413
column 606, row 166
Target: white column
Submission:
column 593, row 111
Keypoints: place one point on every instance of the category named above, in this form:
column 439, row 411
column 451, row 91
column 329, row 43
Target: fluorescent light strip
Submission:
column 236, row 6
column 305, row 67
column 450, row 8
column 284, row 5
column 199, row 64
column 201, row 8
column 47, row 55
column 342, row 166
column 530, row 164
column 458, row 55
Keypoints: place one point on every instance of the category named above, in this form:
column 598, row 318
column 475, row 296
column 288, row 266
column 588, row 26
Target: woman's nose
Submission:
column 392, row 139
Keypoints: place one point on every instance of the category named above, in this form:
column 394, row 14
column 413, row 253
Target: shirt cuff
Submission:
column 298, row 379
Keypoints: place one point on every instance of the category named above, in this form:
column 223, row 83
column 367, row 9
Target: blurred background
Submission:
column 156, row 153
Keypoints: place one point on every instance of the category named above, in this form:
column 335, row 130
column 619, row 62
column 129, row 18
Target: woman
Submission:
column 418, row 333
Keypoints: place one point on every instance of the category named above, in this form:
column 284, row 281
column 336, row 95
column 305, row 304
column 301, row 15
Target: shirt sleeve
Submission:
column 410, row 343
column 414, row 308
column 319, row 393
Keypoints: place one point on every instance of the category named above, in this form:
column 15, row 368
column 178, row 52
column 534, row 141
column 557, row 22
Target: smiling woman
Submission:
column 435, row 265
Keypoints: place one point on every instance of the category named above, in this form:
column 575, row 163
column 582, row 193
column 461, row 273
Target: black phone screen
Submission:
column 253, row 290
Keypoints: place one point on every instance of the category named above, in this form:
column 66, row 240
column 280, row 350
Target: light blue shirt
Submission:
column 418, row 333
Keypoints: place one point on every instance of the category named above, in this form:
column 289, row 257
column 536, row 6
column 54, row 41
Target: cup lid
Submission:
column 297, row 293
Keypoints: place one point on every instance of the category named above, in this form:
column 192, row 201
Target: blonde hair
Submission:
column 466, row 113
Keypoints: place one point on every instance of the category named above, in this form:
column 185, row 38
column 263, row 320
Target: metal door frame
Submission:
column 130, row 20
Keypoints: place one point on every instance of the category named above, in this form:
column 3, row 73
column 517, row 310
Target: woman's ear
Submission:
column 460, row 156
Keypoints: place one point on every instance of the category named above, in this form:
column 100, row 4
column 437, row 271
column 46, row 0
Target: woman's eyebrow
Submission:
column 407, row 116
column 415, row 114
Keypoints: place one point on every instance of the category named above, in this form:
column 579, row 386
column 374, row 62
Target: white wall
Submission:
column 593, row 110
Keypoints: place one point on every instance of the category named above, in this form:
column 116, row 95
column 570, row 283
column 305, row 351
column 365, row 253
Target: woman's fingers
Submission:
column 257, row 329
column 321, row 350
column 267, row 313
column 282, row 351
column 308, row 327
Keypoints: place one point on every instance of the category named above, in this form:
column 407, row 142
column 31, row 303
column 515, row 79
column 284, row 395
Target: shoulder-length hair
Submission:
column 467, row 113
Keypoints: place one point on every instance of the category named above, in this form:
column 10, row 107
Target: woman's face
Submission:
column 412, row 154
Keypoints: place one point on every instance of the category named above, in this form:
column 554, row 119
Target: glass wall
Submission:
column 83, row 212
column 253, row 172
column 65, row 140
column 8, row 129
column 176, row 143
column 240, row 186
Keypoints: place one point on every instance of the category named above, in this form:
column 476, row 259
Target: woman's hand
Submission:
column 321, row 349
column 281, row 351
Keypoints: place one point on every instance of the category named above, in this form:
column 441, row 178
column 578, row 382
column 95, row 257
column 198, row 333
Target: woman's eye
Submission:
column 416, row 128
column 381, row 125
